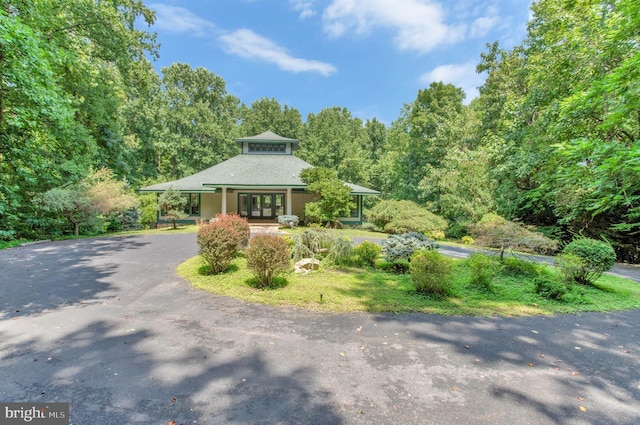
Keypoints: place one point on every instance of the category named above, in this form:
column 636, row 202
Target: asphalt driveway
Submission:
column 106, row 325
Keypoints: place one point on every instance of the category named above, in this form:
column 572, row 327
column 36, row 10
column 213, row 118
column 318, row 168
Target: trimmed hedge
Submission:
column 218, row 243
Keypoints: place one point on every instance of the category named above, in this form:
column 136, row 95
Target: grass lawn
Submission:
column 373, row 290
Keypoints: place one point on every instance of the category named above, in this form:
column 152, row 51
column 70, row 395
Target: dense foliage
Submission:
column 402, row 247
column 553, row 140
column 584, row 260
column 218, row 245
column 405, row 216
column 267, row 257
column 430, row 272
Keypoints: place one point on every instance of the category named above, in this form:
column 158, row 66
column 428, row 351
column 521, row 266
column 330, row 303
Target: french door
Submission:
column 262, row 205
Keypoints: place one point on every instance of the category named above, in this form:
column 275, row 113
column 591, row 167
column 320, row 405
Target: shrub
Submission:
column 218, row 245
column 570, row 266
column 483, row 269
column 457, row 231
column 341, row 252
column 597, row 257
column 268, row 256
column 239, row 224
column 288, row 220
column 397, row 247
column 405, row 216
column 368, row 252
column 467, row 240
column 322, row 243
column 430, row 272
column 7, row 235
column 521, row 266
column 549, row 288
column 496, row 232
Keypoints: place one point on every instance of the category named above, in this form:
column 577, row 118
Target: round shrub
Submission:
column 240, row 224
column 368, row 252
column 267, row 257
column 430, row 272
column 398, row 247
column 467, row 240
column 483, row 269
column 549, row 288
column 218, row 245
column 597, row 257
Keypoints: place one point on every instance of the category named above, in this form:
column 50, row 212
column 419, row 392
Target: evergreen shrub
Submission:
column 399, row 217
column 397, row 247
column 341, row 252
column 367, row 253
column 267, row 257
column 430, row 272
column 596, row 258
column 218, row 245
column 549, row 288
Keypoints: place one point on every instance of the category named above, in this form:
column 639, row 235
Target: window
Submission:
column 192, row 206
column 356, row 200
column 267, row 147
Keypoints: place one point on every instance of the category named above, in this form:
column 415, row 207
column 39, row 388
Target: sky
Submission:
column 369, row 56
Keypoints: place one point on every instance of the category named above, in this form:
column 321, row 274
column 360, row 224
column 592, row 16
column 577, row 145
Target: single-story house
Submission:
column 261, row 183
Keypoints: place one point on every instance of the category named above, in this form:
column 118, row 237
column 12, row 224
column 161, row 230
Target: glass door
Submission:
column 261, row 205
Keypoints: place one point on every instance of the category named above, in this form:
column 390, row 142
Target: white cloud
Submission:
column 305, row 7
column 247, row 44
column 461, row 75
column 481, row 26
column 418, row 24
column 180, row 20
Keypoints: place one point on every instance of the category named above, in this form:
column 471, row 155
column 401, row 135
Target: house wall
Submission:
column 298, row 201
column 210, row 205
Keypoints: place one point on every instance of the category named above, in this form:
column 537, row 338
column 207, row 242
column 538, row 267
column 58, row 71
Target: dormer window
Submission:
column 267, row 147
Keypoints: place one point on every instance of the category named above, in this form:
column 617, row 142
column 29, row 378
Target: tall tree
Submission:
column 65, row 67
column 198, row 122
column 267, row 115
column 334, row 139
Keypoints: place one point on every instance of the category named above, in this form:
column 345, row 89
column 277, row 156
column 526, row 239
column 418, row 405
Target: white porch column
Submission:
column 224, row 201
column 289, row 201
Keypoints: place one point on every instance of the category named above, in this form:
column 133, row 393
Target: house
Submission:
column 261, row 183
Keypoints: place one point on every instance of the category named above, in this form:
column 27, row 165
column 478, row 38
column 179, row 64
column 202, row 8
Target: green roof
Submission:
column 268, row 137
column 264, row 171
column 268, row 171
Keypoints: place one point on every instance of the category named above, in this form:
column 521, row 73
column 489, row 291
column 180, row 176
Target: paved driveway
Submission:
column 106, row 325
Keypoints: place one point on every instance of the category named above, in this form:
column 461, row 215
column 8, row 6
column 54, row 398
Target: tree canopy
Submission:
column 552, row 140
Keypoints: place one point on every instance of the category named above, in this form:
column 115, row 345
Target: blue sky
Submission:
column 370, row 56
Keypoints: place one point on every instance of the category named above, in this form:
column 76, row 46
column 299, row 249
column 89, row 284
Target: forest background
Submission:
column 552, row 140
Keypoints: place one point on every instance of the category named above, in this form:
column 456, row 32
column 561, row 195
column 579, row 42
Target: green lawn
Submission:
column 372, row 290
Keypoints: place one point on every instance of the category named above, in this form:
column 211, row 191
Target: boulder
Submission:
column 306, row 265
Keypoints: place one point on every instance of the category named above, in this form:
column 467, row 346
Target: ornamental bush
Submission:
column 596, row 258
column 218, row 245
column 267, row 256
column 483, row 269
column 240, row 224
column 367, row 253
column 549, row 288
column 397, row 247
column 496, row 232
column 430, row 272
column 405, row 216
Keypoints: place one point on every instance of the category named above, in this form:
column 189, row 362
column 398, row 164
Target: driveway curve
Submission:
column 106, row 325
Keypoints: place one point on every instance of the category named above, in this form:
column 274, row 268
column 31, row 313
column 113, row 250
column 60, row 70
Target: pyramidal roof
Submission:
column 264, row 171
column 267, row 136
